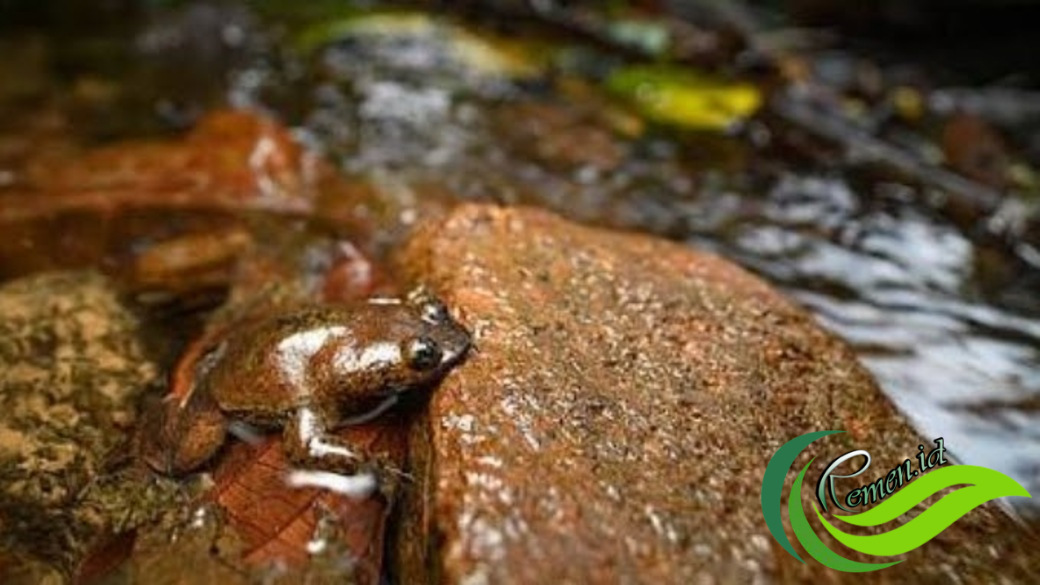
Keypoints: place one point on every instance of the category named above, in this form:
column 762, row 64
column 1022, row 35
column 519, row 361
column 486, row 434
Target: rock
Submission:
column 72, row 367
column 563, row 138
column 90, row 209
column 976, row 150
column 617, row 417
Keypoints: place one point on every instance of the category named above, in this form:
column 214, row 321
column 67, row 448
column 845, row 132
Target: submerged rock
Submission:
column 617, row 417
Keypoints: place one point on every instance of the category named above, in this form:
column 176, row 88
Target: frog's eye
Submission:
column 434, row 312
column 423, row 354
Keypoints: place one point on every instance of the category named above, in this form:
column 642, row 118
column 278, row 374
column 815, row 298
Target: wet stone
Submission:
column 615, row 421
column 71, row 370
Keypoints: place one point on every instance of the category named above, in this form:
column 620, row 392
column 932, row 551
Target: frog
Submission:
column 308, row 370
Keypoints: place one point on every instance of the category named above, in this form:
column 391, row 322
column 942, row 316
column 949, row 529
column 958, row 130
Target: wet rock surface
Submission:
column 616, row 420
column 72, row 368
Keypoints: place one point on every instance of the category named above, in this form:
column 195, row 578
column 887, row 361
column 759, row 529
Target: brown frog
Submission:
column 308, row 371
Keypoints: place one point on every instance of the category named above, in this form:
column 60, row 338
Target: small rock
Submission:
column 976, row 150
column 72, row 368
column 615, row 421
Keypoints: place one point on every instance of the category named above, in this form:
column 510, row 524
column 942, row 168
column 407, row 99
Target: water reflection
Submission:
column 900, row 287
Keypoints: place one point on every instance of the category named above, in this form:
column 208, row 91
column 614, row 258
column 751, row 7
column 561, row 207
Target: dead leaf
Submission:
column 277, row 523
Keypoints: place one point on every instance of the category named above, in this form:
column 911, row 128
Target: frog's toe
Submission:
column 389, row 484
column 390, row 478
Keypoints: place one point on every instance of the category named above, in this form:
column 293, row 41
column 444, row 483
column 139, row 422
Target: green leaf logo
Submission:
column 980, row 486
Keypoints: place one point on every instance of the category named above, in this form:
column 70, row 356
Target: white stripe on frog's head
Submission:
column 294, row 352
column 383, row 353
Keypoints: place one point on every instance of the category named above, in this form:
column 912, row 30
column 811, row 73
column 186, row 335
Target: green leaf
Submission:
column 680, row 97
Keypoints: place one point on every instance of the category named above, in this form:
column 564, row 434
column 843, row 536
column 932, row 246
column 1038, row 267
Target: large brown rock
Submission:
column 616, row 419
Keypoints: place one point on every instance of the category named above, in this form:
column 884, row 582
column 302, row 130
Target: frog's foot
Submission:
column 309, row 441
column 391, row 478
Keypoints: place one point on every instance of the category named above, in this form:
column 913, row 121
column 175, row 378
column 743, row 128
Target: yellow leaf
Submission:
column 672, row 95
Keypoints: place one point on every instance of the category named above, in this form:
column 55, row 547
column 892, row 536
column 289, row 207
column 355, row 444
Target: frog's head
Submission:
column 409, row 342
column 440, row 342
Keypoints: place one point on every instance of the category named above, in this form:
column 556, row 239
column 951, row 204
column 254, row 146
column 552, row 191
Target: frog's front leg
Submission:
column 310, row 441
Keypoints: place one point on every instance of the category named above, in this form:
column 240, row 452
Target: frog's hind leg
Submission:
column 181, row 437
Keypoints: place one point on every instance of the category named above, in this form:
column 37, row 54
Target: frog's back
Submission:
column 338, row 358
column 263, row 369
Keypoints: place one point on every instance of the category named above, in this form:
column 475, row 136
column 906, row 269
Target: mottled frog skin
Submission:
column 309, row 371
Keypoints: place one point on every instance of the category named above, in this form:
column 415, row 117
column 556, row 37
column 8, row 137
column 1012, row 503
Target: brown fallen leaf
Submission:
column 106, row 558
column 277, row 524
